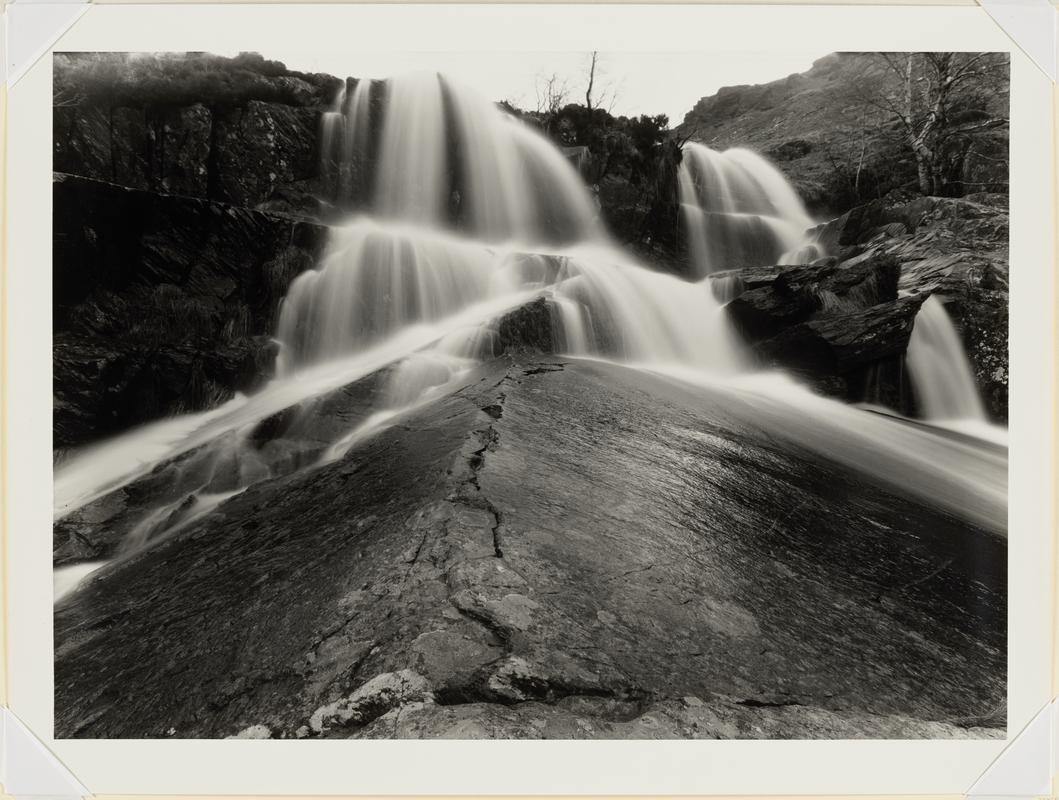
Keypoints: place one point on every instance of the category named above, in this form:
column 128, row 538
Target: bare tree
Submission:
column 597, row 93
column 552, row 93
column 591, row 79
column 937, row 100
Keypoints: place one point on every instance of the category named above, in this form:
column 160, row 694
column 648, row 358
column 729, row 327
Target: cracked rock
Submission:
column 374, row 698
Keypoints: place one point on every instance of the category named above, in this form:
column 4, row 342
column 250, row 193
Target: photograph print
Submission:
column 592, row 395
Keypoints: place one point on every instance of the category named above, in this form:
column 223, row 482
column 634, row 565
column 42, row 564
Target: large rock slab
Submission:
column 555, row 548
column 840, row 327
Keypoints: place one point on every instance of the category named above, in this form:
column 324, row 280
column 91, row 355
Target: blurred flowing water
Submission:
column 464, row 214
column 941, row 374
column 740, row 211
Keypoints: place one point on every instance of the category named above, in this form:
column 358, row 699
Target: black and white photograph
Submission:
column 530, row 395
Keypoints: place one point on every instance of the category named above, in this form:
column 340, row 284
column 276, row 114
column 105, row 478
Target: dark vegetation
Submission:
column 156, row 80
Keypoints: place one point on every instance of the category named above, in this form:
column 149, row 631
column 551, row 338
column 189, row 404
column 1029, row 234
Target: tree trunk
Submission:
column 591, row 81
column 926, row 180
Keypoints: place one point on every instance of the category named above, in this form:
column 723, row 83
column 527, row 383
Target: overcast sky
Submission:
column 644, row 83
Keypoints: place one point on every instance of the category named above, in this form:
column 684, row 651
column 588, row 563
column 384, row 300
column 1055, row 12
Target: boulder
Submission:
column 837, row 345
column 769, row 300
column 531, row 327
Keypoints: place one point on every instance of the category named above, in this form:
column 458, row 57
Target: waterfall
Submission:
column 471, row 205
column 449, row 158
column 346, row 142
column 460, row 214
column 740, row 211
column 942, row 380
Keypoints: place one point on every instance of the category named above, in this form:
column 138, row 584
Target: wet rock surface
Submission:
column 557, row 549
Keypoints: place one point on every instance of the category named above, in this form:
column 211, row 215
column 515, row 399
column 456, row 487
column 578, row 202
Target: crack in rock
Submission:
column 752, row 703
column 543, row 368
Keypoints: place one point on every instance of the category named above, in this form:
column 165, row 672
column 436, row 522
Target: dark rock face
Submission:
column 200, row 126
column 773, row 299
column 956, row 248
column 164, row 150
column 531, row 327
column 840, row 328
column 241, row 156
column 434, row 582
column 838, row 322
column 845, row 342
column 261, row 148
column 162, row 304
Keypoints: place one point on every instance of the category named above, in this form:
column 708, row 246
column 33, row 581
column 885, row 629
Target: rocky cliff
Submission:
column 162, row 304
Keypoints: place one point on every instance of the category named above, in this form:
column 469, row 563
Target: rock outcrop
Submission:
column 184, row 206
column 162, row 304
column 842, row 329
column 954, row 248
column 432, row 582
column 843, row 322
column 241, row 131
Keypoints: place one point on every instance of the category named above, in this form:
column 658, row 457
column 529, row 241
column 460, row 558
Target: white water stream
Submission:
column 740, row 211
column 941, row 374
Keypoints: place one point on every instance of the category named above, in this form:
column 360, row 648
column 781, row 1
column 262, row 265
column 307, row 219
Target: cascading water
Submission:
column 471, row 204
column 464, row 214
column 740, row 211
column 346, row 142
column 942, row 380
column 448, row 158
